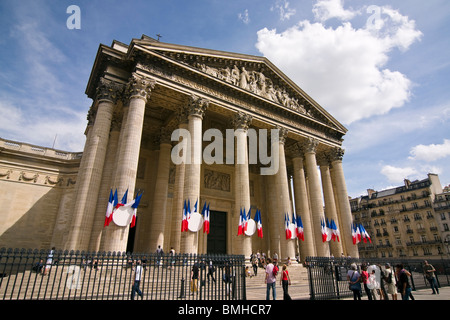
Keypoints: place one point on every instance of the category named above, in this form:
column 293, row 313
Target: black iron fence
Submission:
column 75, row 275
column 328, row 276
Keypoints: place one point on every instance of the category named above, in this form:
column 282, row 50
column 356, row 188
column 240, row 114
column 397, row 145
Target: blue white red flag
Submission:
column 300, row 231
column 184, row 221
column 286, row 226
column 109, row 209
column 134, row 205
column 240, row 226
column 323, row 230
column 258, row 223
column 206, row 220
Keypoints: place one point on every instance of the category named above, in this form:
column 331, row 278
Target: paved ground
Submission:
column 300, row 291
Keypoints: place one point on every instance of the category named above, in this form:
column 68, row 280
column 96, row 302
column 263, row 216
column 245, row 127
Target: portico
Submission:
column 144, row 91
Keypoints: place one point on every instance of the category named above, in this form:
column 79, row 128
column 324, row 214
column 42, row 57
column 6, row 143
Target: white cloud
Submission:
column 327, row 9
column 343, row 67
column 431, row 152
column 244, row 17
column 397, row 175
column 283, row 7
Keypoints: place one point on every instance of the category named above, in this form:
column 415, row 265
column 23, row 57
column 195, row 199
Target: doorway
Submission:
column 217, row 237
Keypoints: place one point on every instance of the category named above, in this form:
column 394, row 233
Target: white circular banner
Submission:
column 122, row 216
column 293, row 229
column 251, row 227
column 195, row 222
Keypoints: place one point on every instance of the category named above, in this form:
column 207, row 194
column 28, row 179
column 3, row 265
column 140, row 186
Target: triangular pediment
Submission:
column 254, row 74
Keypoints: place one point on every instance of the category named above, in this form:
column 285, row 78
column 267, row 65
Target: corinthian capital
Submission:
column 311, row 145
column 337, row 154
column 108, row 90
column 197, row 106
column 283, row 133
column 242, row 121
column 139, row 86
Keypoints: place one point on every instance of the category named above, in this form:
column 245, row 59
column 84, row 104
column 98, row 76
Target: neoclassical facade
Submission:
column 235, row 108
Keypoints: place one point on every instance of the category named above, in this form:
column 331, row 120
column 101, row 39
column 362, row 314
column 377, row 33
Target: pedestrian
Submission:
column 431, row 277
column 255, row 264
column 194, row 277
column 365, row 280
column 285, row 282
column 271, row 278
column 172, row 257
column 137, row 280
column 354, row 282
column 49, row 262
column 159, row 253
column 403, row 283
column 391, row 281
column 373, row 285
column 211, row 270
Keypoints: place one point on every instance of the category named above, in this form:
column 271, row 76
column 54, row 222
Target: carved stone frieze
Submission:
column 255, row 82
column 217, row 180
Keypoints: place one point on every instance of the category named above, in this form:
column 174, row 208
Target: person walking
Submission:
column 270, row 280
column 285, row 282
column 391, row 281
column 354, row 282
column 403, row 283
column 137, row 280
column 431, row 277
column 365, row 280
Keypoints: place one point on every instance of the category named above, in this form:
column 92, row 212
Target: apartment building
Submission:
column 411, row 220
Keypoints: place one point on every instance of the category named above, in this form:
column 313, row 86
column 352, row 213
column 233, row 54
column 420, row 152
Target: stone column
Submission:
column 89, row 177
column 307, row 248
column 343, row 203
column 178, row 201
column 138, row 89
column 315, row 195
column 196, row 109
column 330, row 204
column 281, row 189
column 158, row 220
column 105, row 186
column 241, row 122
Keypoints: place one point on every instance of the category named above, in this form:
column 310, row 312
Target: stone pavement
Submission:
column 299, row 288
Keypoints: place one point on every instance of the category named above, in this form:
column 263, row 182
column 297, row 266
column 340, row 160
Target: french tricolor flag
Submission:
column 109, row 209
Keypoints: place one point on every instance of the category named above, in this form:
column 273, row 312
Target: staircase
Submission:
column 298, row 290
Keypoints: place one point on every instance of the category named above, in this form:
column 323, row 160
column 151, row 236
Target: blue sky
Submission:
column 379, row 67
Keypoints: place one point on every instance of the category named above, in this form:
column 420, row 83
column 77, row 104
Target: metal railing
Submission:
column 74, row 275
column 328, row 276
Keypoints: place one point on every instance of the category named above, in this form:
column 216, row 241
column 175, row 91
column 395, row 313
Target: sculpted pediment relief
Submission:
column 253, row 74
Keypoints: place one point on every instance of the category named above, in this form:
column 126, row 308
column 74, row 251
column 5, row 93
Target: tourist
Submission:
column 49, row 261
column 137, row 280
column 211, row 270
column 365, row 280
column 403, row 283
column 353, row 278
column 159, row 253
column 255, row 264
column 194, row 277
column 285, row 282
column 391, row 282
column 429, row 274
column 270, row 279
column 373, row 285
